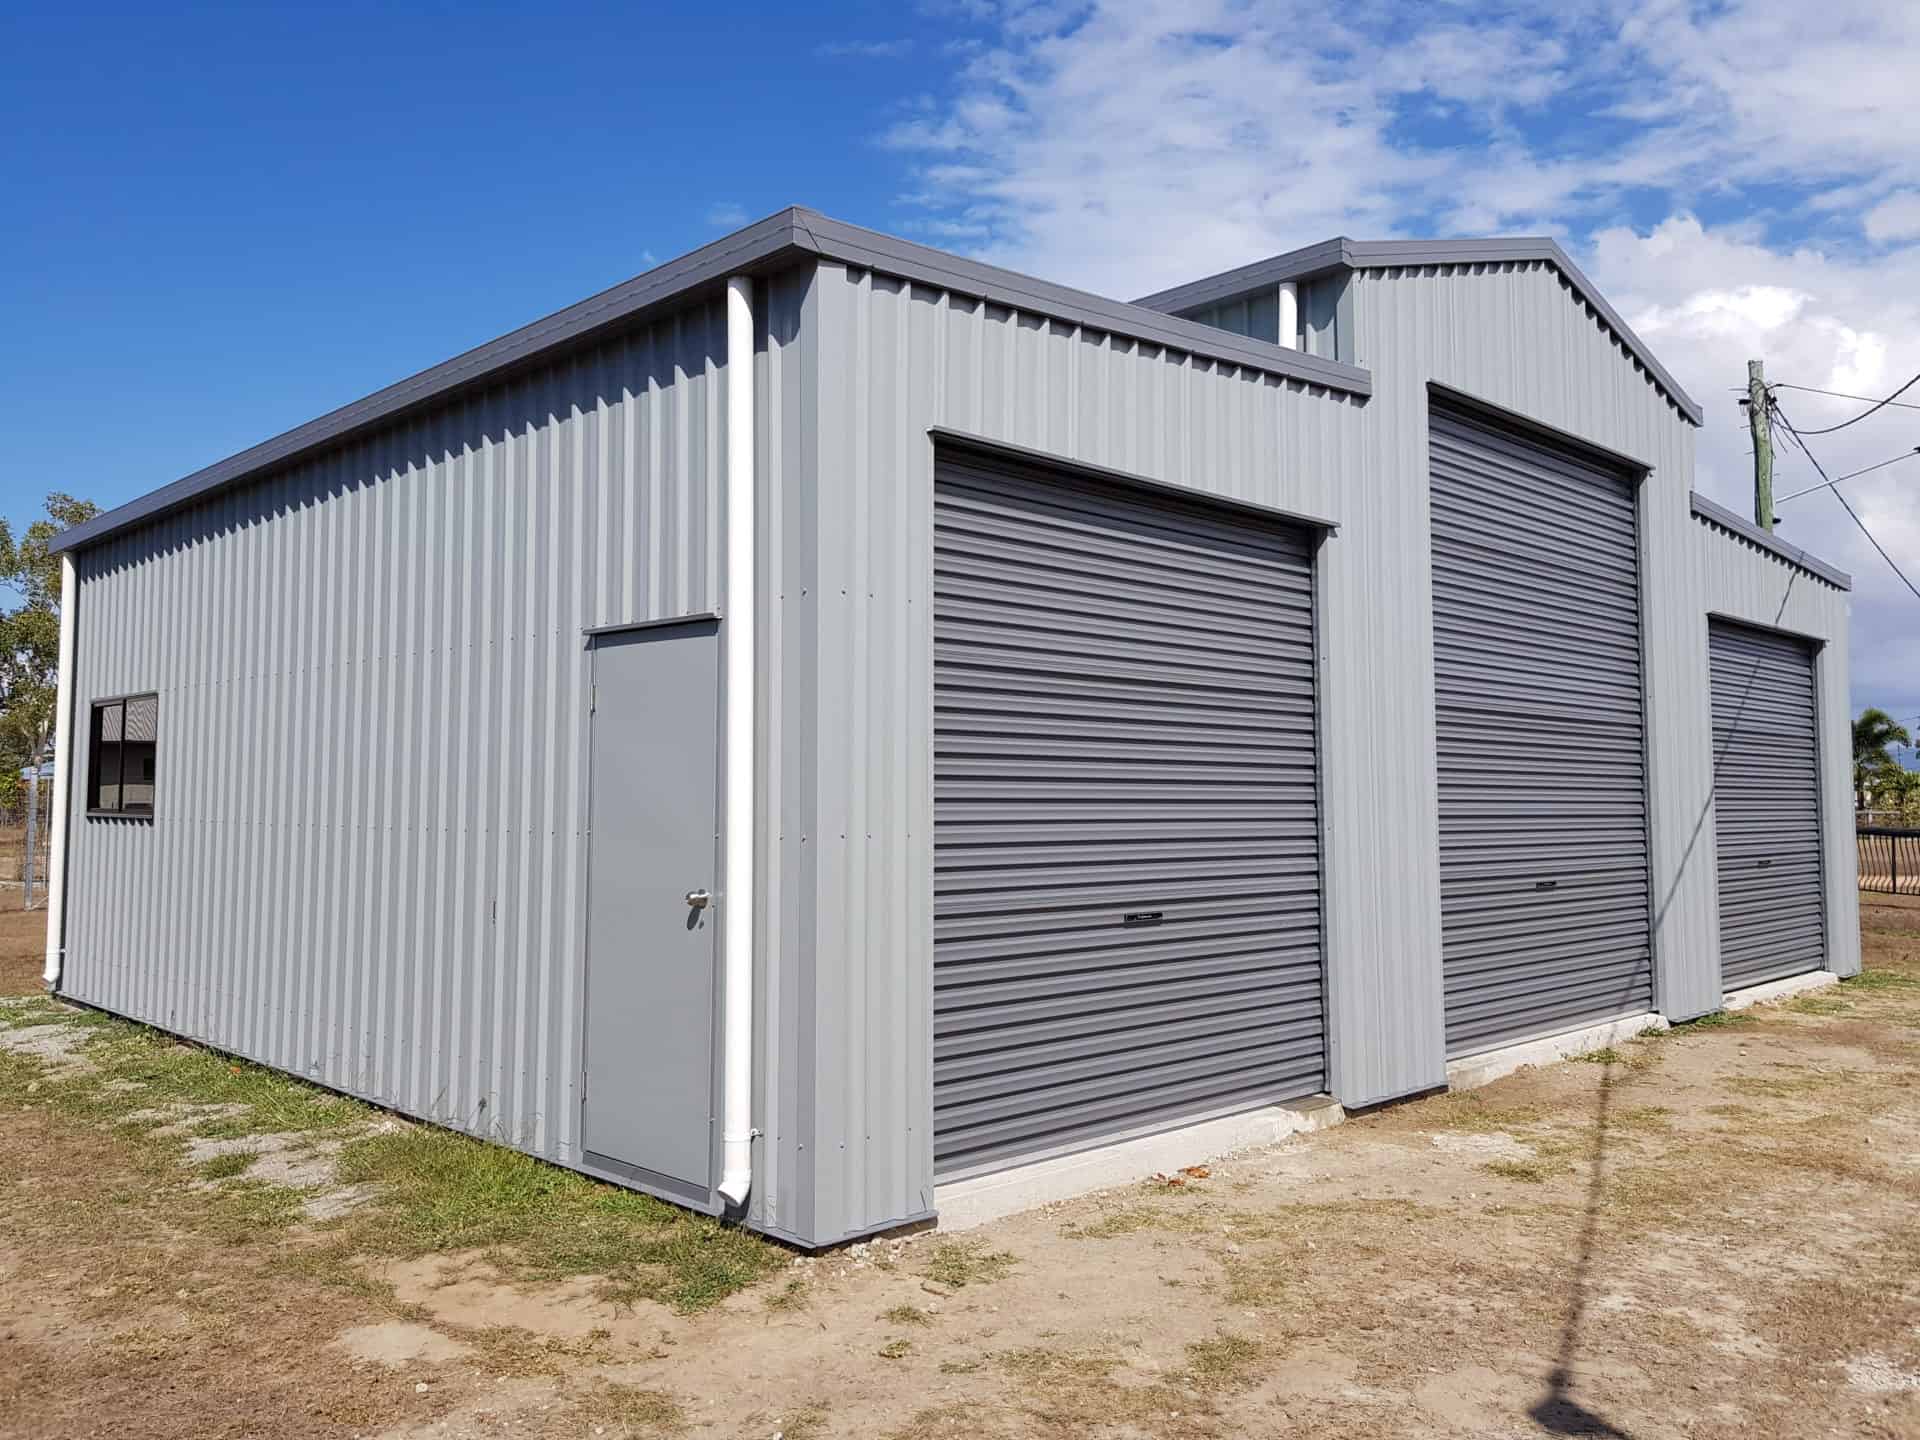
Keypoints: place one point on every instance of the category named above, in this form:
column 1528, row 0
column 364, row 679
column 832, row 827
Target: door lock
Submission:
column 699, row 899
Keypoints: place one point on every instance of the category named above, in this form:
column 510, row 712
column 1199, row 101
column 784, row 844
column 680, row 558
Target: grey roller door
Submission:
column 1126, row 856
column 1541, row 735
column 1766, row 805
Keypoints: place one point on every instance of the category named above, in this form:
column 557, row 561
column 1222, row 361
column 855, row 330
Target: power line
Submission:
column 1903, row 455
column 1841, row 395
column 1801, row 442
column 1863, row 414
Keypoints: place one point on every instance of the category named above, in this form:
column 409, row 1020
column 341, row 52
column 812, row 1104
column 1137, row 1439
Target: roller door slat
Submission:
column 1127, row 920
column 1541, row 737
column 1766, row 802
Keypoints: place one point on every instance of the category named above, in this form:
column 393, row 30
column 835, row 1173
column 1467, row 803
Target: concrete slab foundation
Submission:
column 1785, row 989
column 963, row 1204
column 1472, row 1071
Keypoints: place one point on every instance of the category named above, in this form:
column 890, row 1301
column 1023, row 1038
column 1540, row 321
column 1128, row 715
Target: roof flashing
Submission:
column 1716, row 514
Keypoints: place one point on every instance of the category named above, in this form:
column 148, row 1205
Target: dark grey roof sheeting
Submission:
column 780, row 239
column 1706, row 509
column 1342, row 252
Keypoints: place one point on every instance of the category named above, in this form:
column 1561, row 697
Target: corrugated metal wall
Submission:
column 366, row 861
column 1737, row 580
column 1518, row 336
column 1322, row 304
column 896, row 361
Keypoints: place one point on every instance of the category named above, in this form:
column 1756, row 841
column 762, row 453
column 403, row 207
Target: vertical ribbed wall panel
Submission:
column 366, row 860
column 1517, row 336
column 894, row 361
column 1738, row 580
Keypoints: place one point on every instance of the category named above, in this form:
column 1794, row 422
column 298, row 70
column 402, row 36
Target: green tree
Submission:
column 1873, row 768
column 30, row 635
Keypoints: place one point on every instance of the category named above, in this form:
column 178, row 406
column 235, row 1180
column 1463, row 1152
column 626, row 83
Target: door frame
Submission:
column 605, row 1167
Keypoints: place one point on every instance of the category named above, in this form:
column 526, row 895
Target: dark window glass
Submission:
column 121, row 745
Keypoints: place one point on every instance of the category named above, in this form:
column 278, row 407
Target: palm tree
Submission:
column 1873, row 767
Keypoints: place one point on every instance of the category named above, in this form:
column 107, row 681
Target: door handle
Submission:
column 699, row 899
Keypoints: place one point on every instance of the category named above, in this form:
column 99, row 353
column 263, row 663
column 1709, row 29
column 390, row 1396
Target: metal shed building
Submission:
column 828, row 721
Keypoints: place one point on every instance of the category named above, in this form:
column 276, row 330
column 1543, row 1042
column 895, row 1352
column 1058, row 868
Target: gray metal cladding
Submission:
column 365, row 864
column 1766, row 805
column 1126, row 853
column 894, row 362
column 1742, row 582
column 1519, row 336
column 1541, row 737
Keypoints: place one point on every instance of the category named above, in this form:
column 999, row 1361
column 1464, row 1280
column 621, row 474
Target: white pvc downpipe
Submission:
column 737, row 885
column 1289, row 315
column 62, row 776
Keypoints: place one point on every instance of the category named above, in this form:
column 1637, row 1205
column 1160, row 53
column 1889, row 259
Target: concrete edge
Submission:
column 1777, row 990
column 964, row 1204
column 1470, row 1072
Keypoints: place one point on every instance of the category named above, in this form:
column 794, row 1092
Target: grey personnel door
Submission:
column 1545, row 906
column 1126, row 844
column 1766, row 805
column 650, row 953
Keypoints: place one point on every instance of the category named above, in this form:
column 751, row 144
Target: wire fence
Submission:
column 1889, row 859
column 25, row 840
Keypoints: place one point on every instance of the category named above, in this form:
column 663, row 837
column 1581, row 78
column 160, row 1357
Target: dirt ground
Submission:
column 1709, row 1233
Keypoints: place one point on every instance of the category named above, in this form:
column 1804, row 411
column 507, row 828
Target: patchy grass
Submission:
column 1126, row 1221
column 1527, row 1172
column 1222, row 1362
column 1877, row 978
column 630, row 1410
column 1713, row 1020
column 1605, row 1055
column 1260, row 1281
column 959, row 1263
column 908, row 1315
column 441, row 1191
column 432, row 1190
column 897, row 1348
column 1818, row 1005
column 1470, row 1110
column 1046, row 1362
column 789, row 1298
column 1792, row 1086
column 807, row 1423
column 225, row 1167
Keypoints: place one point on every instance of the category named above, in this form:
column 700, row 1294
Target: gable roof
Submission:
column 1341, row 253
column 789, row 236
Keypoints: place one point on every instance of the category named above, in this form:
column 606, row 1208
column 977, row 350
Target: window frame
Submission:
column 121, row 811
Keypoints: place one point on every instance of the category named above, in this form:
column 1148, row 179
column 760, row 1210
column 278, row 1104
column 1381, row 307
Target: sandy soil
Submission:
column 1713, row 1233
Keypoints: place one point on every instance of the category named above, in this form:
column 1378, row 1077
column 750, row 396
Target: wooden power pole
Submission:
column 1760, row 419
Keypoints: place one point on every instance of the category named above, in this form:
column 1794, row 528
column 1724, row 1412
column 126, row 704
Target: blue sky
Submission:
column 223, row 222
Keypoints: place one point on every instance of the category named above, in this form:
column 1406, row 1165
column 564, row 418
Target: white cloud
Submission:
column 1125, row 145
column 1895, row 218
column 727, row 215
column 863, row 49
